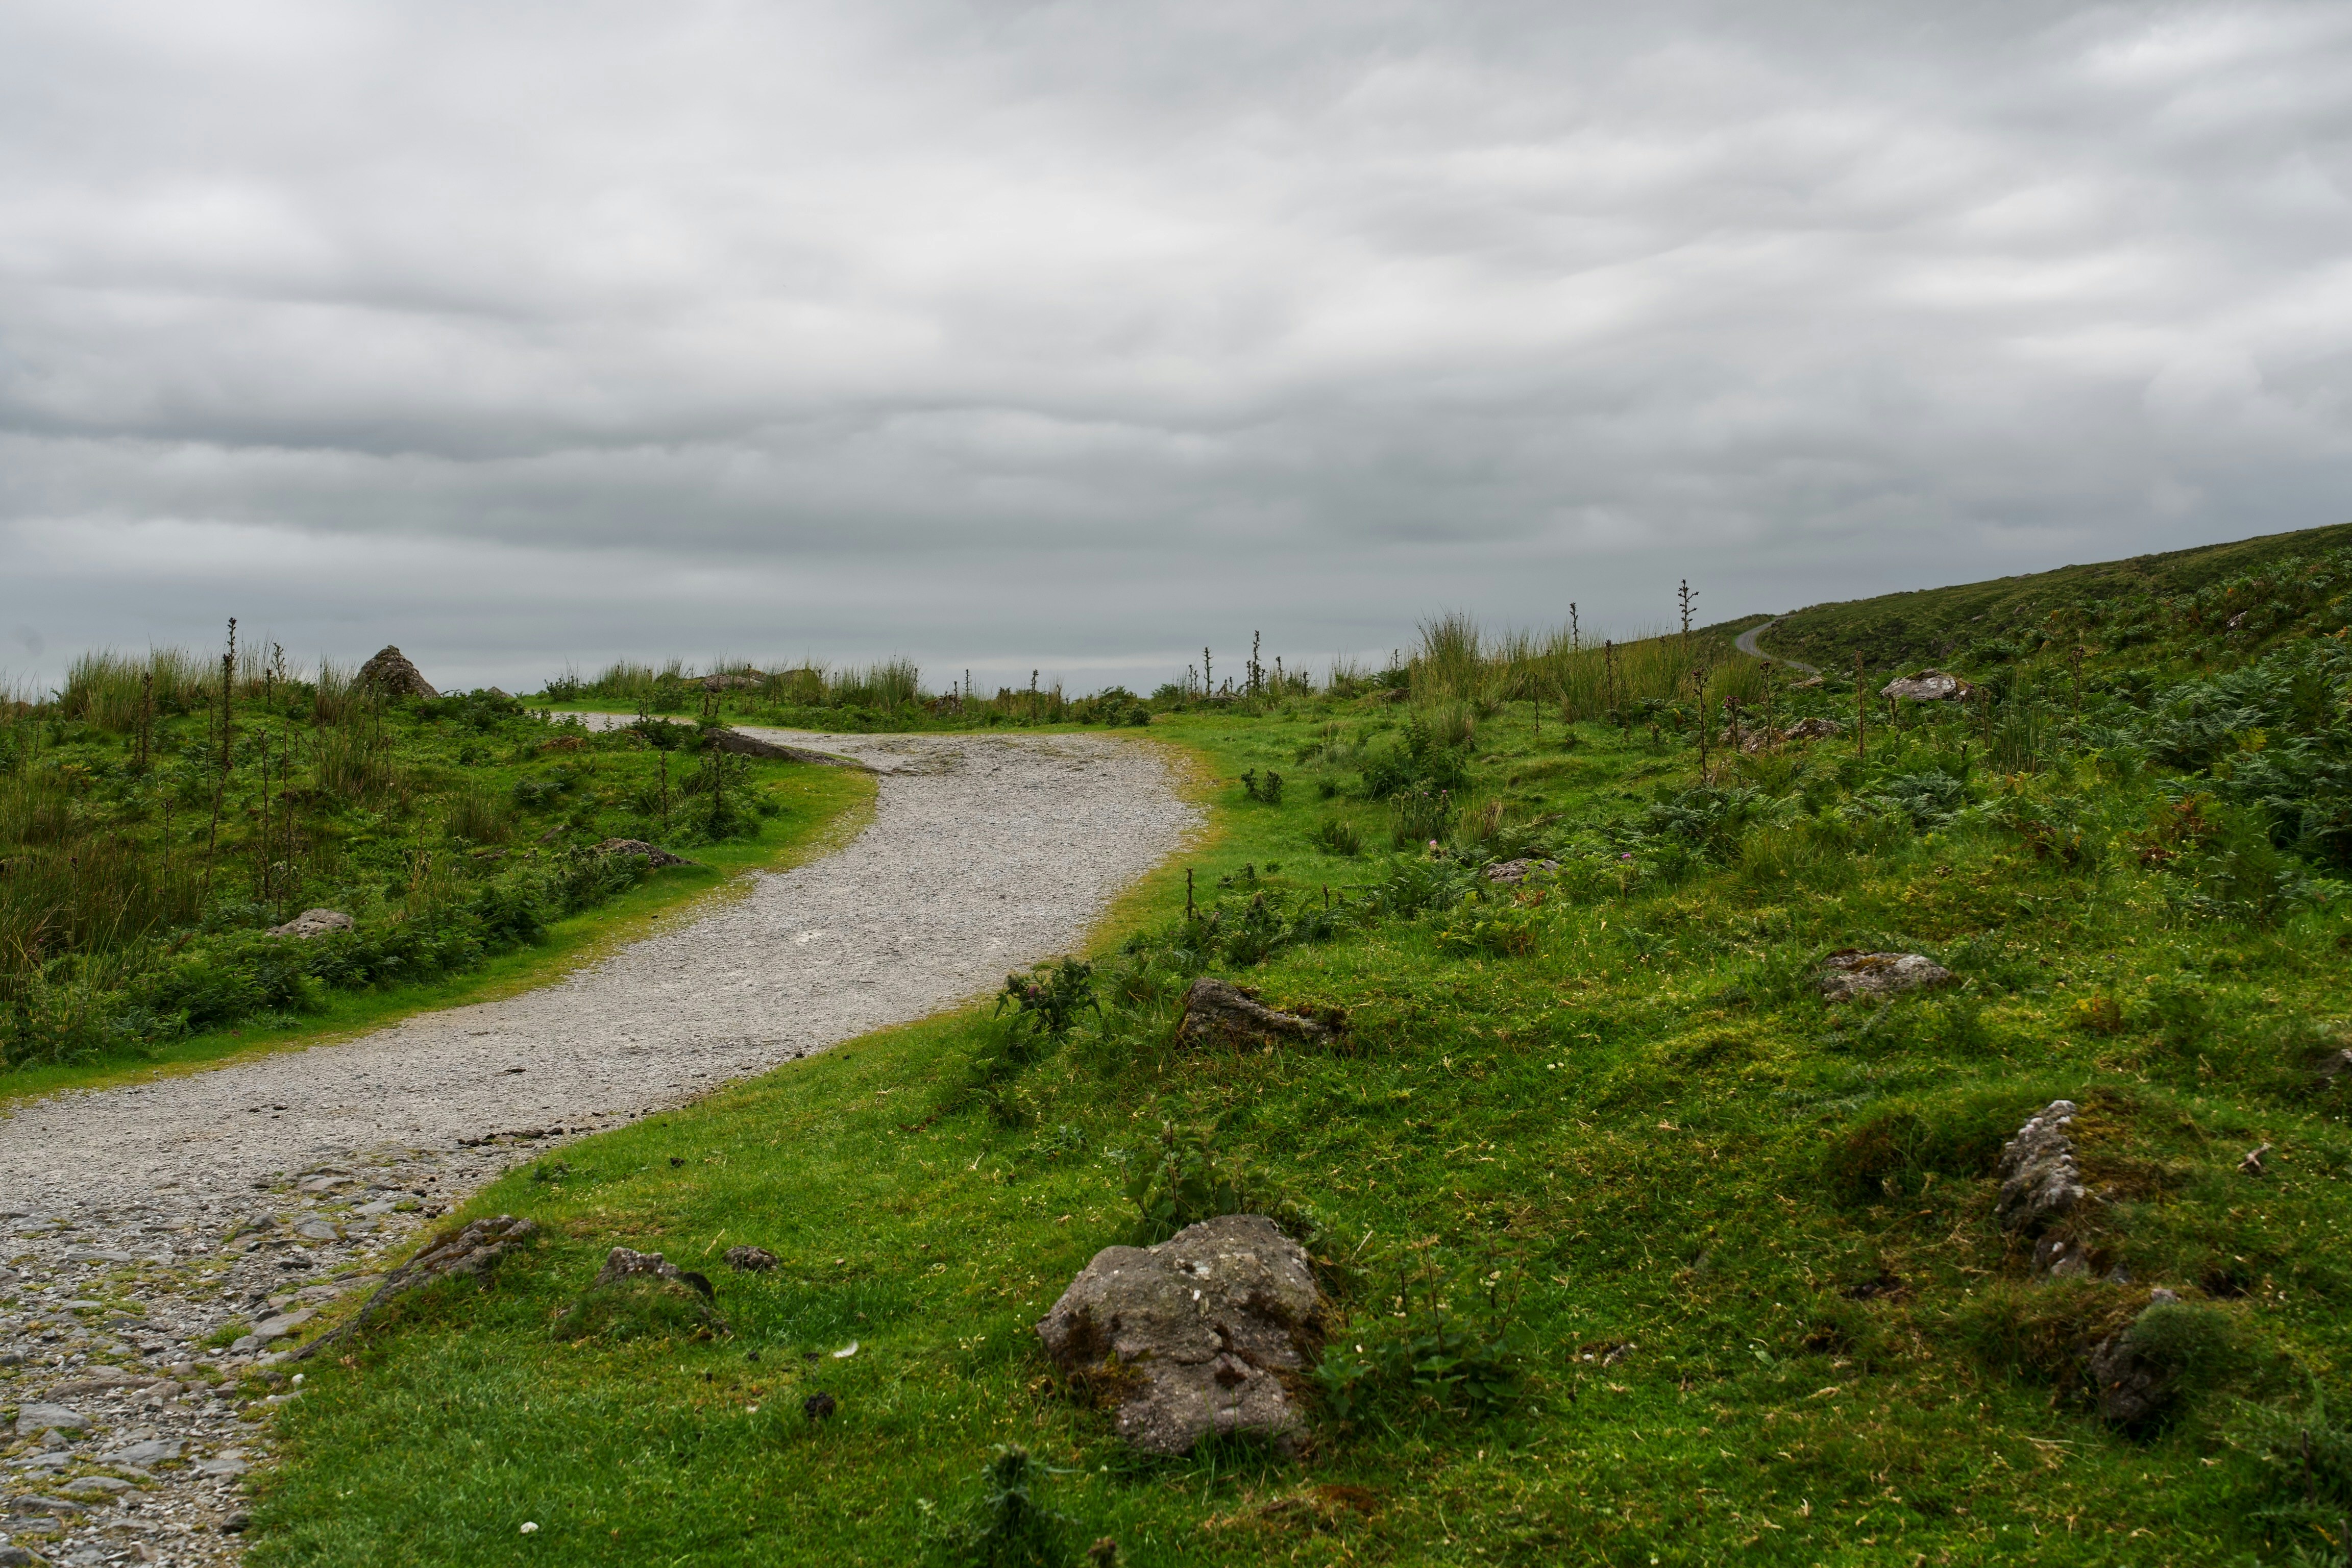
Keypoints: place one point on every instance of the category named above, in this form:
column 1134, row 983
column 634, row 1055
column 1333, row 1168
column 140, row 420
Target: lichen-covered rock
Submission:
column 315, row 923
column 1928, row 685
column 473, row 1249
column 652, row 852
column 1195, row 1336
column 1812, row 729
column 390, row 672
column 1218, row 1013
column 622, row 1263
column 1854, row 974
column 2039, row 1180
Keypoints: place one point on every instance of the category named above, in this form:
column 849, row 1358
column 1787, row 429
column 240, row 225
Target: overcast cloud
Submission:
column 1074, row 336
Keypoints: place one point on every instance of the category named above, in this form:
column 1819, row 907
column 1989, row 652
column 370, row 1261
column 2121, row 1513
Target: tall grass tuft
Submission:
column 1452, row 662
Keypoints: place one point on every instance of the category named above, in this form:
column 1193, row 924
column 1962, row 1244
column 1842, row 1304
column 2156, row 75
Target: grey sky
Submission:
column 1076, row 336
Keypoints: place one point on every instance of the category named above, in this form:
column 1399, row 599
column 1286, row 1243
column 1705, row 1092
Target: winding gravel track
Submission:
column 218, row 1195
column 1746, row 642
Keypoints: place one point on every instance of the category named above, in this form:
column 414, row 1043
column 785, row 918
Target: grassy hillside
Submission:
column 2188, row 592
column 1720, row 1254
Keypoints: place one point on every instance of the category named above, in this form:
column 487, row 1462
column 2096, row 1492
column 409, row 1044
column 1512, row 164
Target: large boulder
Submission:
column 1928, row 685
column 315, row 923
column 390, row 673
column 1193, row 1336
column 1219, row 1013
column 2039, row 1178
column 1852, row 973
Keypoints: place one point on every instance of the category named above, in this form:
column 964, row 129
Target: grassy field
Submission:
column 1724, row 1252
column 151, row 831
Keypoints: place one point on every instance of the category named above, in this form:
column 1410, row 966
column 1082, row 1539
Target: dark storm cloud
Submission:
column 1072, row 336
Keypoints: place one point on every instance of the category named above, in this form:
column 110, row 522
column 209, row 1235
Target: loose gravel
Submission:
column 147, row 1224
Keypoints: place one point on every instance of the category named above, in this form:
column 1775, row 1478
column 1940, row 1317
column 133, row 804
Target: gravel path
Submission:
column 144, row 1218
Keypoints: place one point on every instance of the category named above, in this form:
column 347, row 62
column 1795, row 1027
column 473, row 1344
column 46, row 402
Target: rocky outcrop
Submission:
column 1812, row 729
column 1195, row 1336
column 390, row 674
column 315, row 923
column 653, row 853
column 1852, row 973
column 2135, row 1381
column 2039, row 1180
column 1218, row 1013
column 742, row 745
column 1928, row 685
column 622, row 1263
column 471, row 1249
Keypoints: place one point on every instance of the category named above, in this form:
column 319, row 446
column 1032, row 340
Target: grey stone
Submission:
column 153, row 1451
column 473, row 1249
column 1812, row 729
column 1195, row 1336
column 380, row 1207
column 17, row 1557
column 100, row 1379
column 41, row 1417
column 1218, row 1013
column 229, row 1464
column 1511, row 873
column 285, row 1323
column 316, row 1230
column 391, row 673
column 750, row 1259
column 57, row 1508
column 654, row 853
column 620, row 1263
column 315, row 923
column 1856, row 974
column 1928, row 685
column 97, row 1488
column 97, row 1255
column 2039, row 1180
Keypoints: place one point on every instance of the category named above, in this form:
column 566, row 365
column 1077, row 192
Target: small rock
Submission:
column 379, row 1207
column 235, row 1524
column 2061, row 1259
column 285, row 1323
column 315, row 923
column 620, row 1263
column 316, row 1230
column 97, row 1255
column 2161, row 1294
column 1812, row 729
column 1192, row 1336
column 658, row 857
column 1856, row 974
column 2039, row 1177
column 17, row 1557
column 1511, row 873
column 1218, row 1013
column 57, row 1508
column 750, row 1259
column 95, row 1379
column 139, row 1456
column 228, row 1464
column 36, row 1418
column 97, row 1488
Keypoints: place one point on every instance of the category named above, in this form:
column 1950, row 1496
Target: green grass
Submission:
column 1646, row 1129
column 829, row 805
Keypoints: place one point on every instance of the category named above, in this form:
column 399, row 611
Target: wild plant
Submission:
column 1007, row 1525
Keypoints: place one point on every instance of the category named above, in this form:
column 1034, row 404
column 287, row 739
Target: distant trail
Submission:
column 1746, row 642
